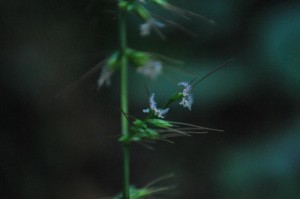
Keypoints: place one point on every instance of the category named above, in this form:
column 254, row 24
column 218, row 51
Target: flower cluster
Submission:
column 145, row 63
column 109, row 66
column 155, row 127
column 185, row 96
column 152, row 69
column 187, row 99
column 145, row 28
column 149, row 190
column 153, row 108
column 150, row 21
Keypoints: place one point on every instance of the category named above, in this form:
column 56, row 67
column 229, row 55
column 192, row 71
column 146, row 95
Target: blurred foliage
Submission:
column 65, row 146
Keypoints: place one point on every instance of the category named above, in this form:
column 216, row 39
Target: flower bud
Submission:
column 159, row 123
column 139, row 123
column 150, row 134
column 137, row 58
column 125, row 5
column 114, row 61
column 162, row 3
column 112, row 64
column 142, row 12
column 174, row 98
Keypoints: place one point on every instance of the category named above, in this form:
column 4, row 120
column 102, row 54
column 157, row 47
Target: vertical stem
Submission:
column 126, row 156
column 124, row 101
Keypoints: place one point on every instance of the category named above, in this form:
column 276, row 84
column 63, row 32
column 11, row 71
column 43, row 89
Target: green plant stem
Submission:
column 126, row 156
column 124, row 101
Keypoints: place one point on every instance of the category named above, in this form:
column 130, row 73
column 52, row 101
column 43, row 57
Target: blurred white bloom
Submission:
column 105, row 76
column 145, row 28
column 187, row 99
column 151, row 69
column 153, row 107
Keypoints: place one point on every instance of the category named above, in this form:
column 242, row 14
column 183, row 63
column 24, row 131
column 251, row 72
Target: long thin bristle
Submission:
column 185, row 13
column 172, row 135
column 190, row 83
column 165, row 140
column 83, row 78
column 157, row 180
column 196, row 126
column 196, row 132
column 178, row 131
column 180, row 27
column 182, row 129
column 149, row 141
column 166, row 58
column 160, row 189
column 146, row 145
column 127, row 115
column 212, row 71
column 177, row 11
column 158, row 32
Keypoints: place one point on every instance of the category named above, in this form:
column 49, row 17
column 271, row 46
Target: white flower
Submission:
column 145, row 28
column 187, row 99
column 153, row 107
column 105, row 76
column 151, row 69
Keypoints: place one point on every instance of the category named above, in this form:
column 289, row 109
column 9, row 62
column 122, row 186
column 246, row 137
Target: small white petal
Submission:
column 156, row 111
column 187, row 99
column 145, row 29
column 162, row 112
column 151, row 69
column 105, row 76
column 152, row 101
column 185, row 84
column 146, row 110
column 159, row 24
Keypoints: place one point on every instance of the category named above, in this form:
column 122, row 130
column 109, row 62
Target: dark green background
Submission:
column 65, row 147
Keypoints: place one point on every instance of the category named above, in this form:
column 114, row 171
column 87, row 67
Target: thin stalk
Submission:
column 124, row 101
